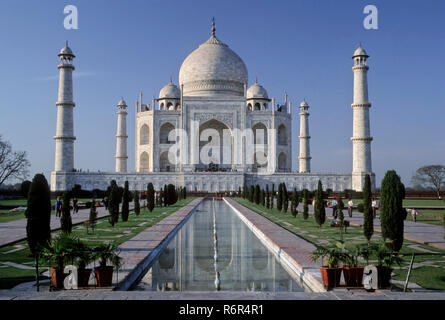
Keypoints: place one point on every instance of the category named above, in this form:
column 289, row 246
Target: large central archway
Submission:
column 215, row 146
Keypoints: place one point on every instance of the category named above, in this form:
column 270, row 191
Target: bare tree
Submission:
column 13, row 164
column 430, row 176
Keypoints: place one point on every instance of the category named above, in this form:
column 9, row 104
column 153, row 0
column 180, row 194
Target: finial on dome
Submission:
column 171, row 79
column 67, row 43
column 213, row 27
column 256, row 79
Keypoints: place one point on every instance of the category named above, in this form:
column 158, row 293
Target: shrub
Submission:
column 38, row 213
column 263, row 201
column 251, row 193
column 137, row 206
column 285, row 198
column 267, row 197
column 294, row 203
column 272, row 196
column 361, row 207
column 257, row 194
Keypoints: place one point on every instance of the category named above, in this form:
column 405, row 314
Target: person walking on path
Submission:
column 350, row 206
column 374, row 207
column 414, row 213
column 334, row 207
column 106, row 203
column 75, row 205
column 58, row 207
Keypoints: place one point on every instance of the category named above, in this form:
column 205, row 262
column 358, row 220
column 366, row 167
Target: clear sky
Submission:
column 303, row 47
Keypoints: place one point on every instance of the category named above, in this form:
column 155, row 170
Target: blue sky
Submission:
column 303, row 47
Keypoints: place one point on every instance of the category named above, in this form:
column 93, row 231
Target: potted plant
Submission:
column 330, row 273
column 386, row 259
column 58, row 252
column 106, row 253
column 83, row 256
column 352, row 270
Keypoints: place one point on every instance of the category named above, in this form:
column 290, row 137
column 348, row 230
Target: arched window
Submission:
column 259, row 133
column 144, row 163
column 170, row 106
column 249, row 106
column 265, row 106
column 178, row 106
column 161, row 107
column 164, row 163
column 257, row 106
column 282, row 136
column 144, row 135
column 166, row 128
column 282, row 162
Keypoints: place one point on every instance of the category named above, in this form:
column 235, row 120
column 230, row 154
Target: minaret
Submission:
column 361, row 138
column 121, row 137
column 64, row 158
column 305, row 154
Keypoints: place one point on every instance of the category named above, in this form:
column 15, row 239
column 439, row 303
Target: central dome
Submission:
column 213, row 69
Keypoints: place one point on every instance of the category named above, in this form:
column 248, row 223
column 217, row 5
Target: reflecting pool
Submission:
column 215, row 250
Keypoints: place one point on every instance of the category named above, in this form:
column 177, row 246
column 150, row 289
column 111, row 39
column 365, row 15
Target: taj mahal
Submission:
column 212, row 132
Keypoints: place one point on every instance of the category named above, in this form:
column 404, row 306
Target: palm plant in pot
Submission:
column 57, row 252
column 386, row 259
column 106, row 253
column 330, row 273
column 352, row 270
column 84, row 256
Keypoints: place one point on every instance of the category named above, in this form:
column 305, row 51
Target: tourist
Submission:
column 374, row 207
column 350, row 206
column 414, row 213
column 333, row 222
column 75, row 205
column 106, row 202
column 58, row 207
column 334, row 207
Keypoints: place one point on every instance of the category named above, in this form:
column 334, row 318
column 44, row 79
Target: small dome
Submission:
column 122, row 103
column 360, row 52
column 304, row 104
column 256, row 91
column 170, row 91
column 66, row 51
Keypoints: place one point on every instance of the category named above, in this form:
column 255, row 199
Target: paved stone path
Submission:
column 14, row 231
column 415, row 231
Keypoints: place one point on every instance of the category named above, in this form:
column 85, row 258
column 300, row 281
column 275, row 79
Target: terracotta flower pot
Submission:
column 104, row 276
column 384, row 276
column 82, row 277
column 353, row 276
column 57, row 278
column 330, row 276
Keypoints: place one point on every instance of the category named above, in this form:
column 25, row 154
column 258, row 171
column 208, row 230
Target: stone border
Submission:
column 141, row 251
column 308, row 275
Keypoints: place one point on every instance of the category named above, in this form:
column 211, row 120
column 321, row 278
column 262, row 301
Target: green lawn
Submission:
column 310, row 231
column 11, row 276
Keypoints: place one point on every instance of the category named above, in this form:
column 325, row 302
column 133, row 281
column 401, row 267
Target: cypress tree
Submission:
column 272, row 196
column 251, row 193
column 368, row 224
column 161, row 197
column 294, row 203
column 267, row 197
column 280, row 197
column 66, row 223
column 257, row 194
column 125, row 204
column 285, row 198
column 113, row 203
column 239, row 192
column 184, row 193
column 305, row 204
column 172, row 196
column 263, row 202
column 166, row 195
column 93, row 215
column 38, row 213
column 137, row 206
column 150, row 197
column 319, row 210
column 392, row 193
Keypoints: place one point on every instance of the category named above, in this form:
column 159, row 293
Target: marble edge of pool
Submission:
column 140, row 251
column 291, row 251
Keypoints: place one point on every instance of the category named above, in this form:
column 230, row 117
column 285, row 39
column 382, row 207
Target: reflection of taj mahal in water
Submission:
column 213, row 132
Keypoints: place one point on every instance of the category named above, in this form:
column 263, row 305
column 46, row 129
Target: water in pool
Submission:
column 213, row 251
